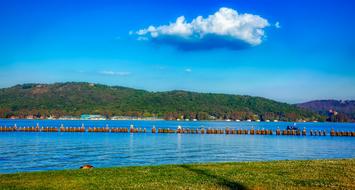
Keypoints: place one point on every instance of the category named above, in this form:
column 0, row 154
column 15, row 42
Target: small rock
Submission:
column 87, row 166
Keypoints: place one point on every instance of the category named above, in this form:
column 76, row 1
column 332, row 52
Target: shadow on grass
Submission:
column 226, row 183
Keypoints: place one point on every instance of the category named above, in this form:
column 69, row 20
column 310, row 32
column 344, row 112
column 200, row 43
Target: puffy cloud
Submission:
column 277, row 25
column 188, row 70
column 224, row 29
column 113, row 73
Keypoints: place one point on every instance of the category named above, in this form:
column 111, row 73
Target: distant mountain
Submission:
column 62, row 99
column 334, row 109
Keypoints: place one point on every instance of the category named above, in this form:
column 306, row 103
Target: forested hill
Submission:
column 336, row 110
column 61, row 99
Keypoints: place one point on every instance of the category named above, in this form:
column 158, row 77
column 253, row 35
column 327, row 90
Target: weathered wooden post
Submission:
column 131, row 128
column 202, row 131
column 304, row 132
column 252, row 132
column 298, row 132
column 82, row 128
column 227, row 131
column 332, row 132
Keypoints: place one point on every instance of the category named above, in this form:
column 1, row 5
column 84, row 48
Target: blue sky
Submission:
column 309, row 55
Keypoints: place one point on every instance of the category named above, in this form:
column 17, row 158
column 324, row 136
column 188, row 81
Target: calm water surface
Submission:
column 55, row 151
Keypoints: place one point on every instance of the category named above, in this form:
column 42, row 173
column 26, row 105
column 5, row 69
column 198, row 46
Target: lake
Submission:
column 39, row 151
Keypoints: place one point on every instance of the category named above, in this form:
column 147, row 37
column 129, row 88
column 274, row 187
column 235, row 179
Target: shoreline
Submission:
column 300, row 174
column 243, row 121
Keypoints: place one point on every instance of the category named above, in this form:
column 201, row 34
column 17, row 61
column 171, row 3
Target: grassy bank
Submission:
column 317, row 174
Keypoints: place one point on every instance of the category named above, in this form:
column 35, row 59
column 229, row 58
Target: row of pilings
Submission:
column 181, row 130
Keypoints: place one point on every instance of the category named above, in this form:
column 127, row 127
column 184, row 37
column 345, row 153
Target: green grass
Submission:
column 314, row 174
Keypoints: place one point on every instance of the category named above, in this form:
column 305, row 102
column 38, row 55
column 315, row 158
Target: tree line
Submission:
column 74, row 99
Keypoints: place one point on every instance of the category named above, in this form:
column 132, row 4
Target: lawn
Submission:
column 310, row 174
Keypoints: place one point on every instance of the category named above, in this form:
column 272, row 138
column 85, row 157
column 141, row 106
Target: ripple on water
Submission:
column 54, row 151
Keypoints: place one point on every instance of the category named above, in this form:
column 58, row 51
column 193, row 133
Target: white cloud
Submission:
column 142, row 38
column 277, row 25
column 113, row 73
column 188, row 70
column 226, row 26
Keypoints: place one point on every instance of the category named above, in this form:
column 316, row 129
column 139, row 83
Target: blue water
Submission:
column 20, row 151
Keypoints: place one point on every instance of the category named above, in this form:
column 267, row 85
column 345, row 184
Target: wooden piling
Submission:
column 298, row 132
column 202, row 131
column 293, row 132
column 304, row 132
column 332, row 132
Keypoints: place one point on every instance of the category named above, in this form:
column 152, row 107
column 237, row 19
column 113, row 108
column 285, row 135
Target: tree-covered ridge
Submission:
column 336, row 110
column 62, row 99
